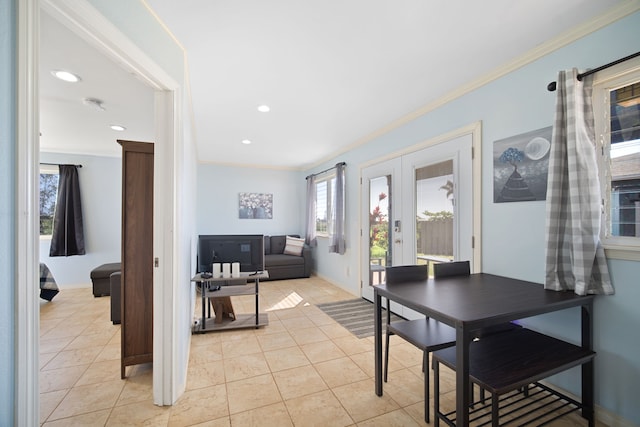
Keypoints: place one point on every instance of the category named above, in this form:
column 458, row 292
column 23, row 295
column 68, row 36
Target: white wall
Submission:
column 8, row 84
column 217, row 203
column 101, row 193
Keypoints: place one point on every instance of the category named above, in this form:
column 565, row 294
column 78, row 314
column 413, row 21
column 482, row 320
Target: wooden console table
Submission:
column 220, row 290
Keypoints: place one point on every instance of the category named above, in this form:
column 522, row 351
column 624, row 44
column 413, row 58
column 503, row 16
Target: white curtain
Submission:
column 575, row 257
column 310, row 236
column 337, row 239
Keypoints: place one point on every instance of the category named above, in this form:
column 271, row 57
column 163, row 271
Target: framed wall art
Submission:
column 520, row 166
column 255, row 205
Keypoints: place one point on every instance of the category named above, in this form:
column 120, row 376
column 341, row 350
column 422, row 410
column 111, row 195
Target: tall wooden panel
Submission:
column 137, row 254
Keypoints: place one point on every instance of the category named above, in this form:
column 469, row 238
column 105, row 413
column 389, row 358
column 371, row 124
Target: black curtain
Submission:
column 68, row 232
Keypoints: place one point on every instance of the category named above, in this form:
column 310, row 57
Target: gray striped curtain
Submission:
column 338, row 244
column 575, row 257
column 310, row 237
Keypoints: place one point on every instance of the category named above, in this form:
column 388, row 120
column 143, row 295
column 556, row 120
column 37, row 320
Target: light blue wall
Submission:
column 513, row 233
column 7, row 207
column 101, row 194
column 218, row 188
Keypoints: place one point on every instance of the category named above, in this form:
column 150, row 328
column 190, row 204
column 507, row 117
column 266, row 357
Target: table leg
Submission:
column 257, row 291
column 587, row 368
column 463, row 390
column 204, row 303
column 378, row 342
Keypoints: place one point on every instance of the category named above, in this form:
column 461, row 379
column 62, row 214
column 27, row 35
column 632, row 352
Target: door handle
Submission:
column 397, row 241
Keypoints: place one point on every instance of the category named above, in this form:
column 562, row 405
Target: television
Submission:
column 247, row 249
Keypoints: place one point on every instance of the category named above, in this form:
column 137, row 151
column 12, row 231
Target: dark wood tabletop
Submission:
column 480, row 299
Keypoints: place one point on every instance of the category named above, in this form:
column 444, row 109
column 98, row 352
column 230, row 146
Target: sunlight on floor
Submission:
column 290, row 301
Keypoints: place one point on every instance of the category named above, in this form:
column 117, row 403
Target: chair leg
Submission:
column 386, row 351
column 436, row 392
column 386, row 356
column 425, row 368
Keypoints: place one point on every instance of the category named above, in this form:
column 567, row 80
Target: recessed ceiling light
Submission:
column 264, row 108
column 118, row 128
column 66, row 76
column 246, row 141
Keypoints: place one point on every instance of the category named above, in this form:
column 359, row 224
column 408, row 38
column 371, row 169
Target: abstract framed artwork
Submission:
column 520, row 166
column 255, row 205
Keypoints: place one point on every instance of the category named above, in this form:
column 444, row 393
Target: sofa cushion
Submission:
column 277, row 244
column 267, row 245
column 293, row 246
column 282, row 260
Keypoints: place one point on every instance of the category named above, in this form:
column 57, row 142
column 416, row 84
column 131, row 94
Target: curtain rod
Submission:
column 59, row 164
column 552, row 86
column 326, row 170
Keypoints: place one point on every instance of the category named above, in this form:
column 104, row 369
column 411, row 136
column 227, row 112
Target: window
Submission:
column 617, row 116
column 48, row 196
column 325, row 187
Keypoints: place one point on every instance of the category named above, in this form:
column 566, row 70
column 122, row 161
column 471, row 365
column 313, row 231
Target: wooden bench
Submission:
column 511, row 361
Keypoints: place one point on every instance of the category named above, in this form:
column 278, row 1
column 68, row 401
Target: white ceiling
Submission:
column 333, row 72
column 69, row 126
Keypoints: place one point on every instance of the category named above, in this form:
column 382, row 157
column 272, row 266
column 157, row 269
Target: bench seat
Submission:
column 513, row 360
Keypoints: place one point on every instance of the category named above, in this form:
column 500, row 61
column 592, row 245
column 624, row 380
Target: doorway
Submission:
column 86, row 21
column 420, row 207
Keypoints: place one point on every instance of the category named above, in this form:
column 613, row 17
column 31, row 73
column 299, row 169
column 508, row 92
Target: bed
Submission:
column 48, row 286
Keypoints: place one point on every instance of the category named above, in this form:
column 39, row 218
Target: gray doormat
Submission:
column 355, row 315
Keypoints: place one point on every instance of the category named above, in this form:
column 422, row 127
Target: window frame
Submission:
column 329, row 178
column 616, row 247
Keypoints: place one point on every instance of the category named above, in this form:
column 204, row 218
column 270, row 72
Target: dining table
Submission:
column 470, row 302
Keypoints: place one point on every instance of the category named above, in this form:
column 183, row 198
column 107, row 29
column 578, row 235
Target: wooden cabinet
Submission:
column 137, row 254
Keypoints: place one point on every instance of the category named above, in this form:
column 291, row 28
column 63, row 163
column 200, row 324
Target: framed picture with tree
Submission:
column 520, row 166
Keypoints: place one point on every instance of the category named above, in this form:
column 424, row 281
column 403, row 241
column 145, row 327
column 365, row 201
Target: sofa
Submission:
column 284, row 266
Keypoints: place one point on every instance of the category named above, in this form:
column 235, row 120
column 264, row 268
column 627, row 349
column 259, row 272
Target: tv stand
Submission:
column 220, row 290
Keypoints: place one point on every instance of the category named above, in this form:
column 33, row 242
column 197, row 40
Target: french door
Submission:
column 417, row 208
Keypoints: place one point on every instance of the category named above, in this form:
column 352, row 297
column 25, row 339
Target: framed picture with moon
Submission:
column 520, row 166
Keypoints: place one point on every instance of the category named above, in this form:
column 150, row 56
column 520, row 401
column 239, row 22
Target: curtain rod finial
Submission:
column 551, row 86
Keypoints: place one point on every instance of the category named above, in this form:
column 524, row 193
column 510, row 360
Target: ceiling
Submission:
column 67, row 125
column 333, row 72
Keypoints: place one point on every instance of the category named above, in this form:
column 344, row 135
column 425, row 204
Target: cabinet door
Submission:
column 137, row 253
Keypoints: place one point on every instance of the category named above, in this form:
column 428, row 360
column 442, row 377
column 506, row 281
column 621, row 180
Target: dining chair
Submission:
column 426, row 334
column 453, row 268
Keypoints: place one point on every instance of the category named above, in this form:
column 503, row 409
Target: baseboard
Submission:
column 74, row 286
column 337, row 285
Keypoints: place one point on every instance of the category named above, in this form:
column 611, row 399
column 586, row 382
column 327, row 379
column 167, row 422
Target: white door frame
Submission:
column 86, row 21
column 473, row 129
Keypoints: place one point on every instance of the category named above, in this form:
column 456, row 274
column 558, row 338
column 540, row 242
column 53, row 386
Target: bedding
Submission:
column 48, row 285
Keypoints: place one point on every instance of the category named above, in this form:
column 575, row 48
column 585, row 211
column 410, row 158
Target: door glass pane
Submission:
column 625, row 161
column 434, row 193
column 379, row 230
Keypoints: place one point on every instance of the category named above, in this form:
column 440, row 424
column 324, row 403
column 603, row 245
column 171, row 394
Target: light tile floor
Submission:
column 302, row 369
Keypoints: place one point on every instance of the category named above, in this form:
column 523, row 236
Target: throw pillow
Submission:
column 294, row 246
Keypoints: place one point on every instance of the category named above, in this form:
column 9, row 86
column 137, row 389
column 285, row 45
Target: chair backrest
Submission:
column 455, row 268
column 406, row 273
